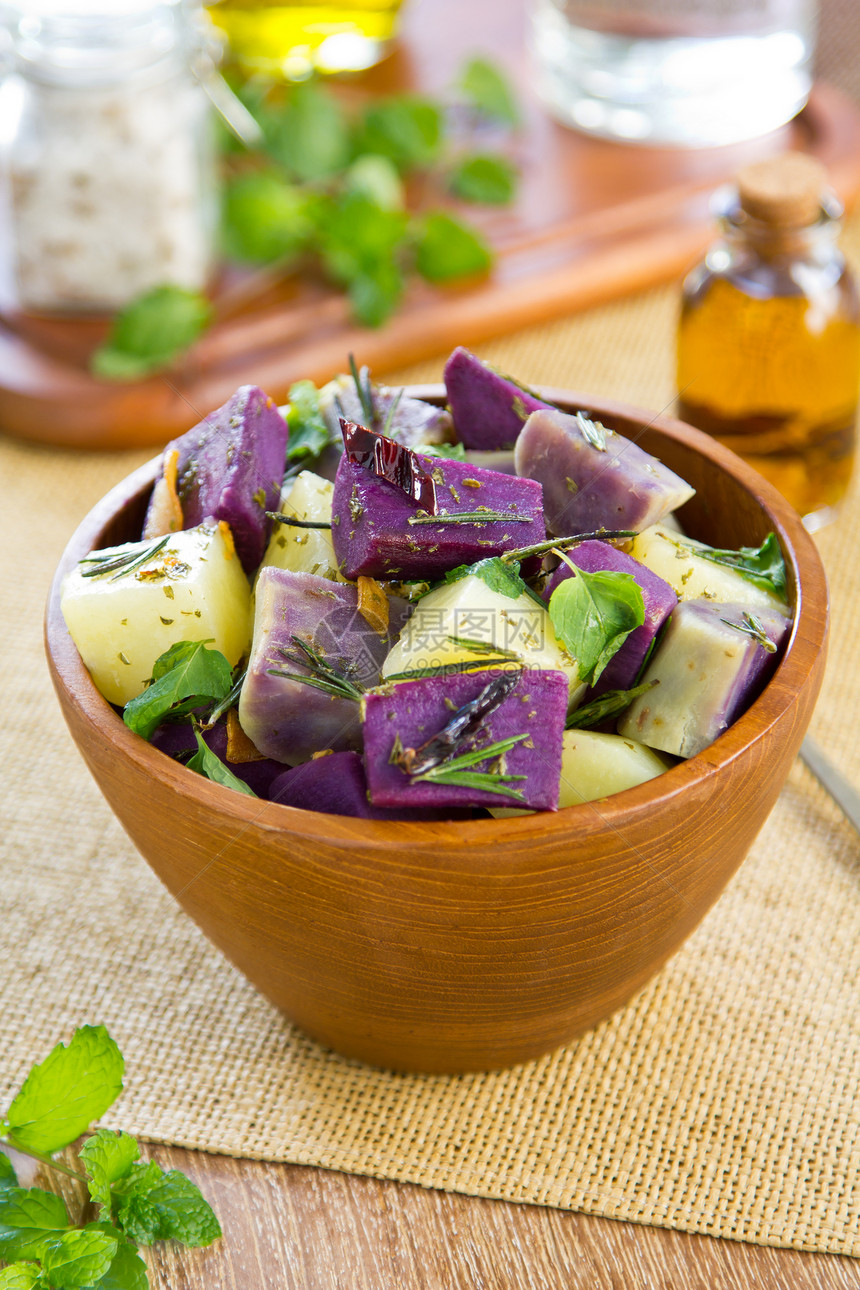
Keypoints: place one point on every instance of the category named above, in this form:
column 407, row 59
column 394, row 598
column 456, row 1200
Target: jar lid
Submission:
column 97, row 41
column 785, row 191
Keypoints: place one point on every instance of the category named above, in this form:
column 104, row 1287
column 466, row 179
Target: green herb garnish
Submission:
column 484, row 177
column 364, row 390
column 188, row 671
column 453, row 451
column 562, row 543
column 280, row 518
column 481, row 515
column 126, row 562
column 498, row 576
column 151, row 332
column 207, row 763
column 456, row 770
column 593, row 614
column 764, row 565
column 322, row 675
column 593, row 431
column 309, row 433
column 138, row 1203
column 606, row 707
column 753, row 627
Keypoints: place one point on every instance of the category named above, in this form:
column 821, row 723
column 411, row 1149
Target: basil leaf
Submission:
column 405, row 128
column 78, row 1258
column 484, row 177
column 447, row 248
column 764, row 565
column 107, row 1157
column 157, row 1206
column 61, row 1096
column 264, row 219
column 187, row 670
column 150, row 332
column 207, row 763
column 593, row 614
column 28, row 1216
column 488, row 90
column 7, row 1173
column 497, row 574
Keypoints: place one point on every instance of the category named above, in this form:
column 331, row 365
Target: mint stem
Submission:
column 44, row 1160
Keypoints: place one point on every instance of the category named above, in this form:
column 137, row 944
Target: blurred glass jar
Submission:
column 108, row 151
column 768, row 354
column 688, row 73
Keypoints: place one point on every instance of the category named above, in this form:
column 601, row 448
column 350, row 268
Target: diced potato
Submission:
column 305, row 550
column 595, row 765
column 471, row 610
column 194, row 589
column 693, row 577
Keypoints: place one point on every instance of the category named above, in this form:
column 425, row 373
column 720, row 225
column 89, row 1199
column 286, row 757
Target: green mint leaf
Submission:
column 309, row 135
column 21, row 1276
column 503, row 577
column 605, row 708
column 187, row 670
column 127, row 1270
column 27, row 1217
column 484, row 177
column 264, row 219
column 61, row 1096
column 446, row 249
column 107, row 1157
column 80, row 1257
column 593, row 614
column 157, row 1206
column 152, row 331
column 375, row 295
column 356, row 236
column 207, row 763
column 7, row 1173
column 405, row 128
column 764, row 565
column 309, row 434
column 378, row 179
column 487, row 89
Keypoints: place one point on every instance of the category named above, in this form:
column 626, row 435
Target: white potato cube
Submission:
column 594, row 765
column 692, row 577
column 305, row 550
column 469, row 609
column 192, row 589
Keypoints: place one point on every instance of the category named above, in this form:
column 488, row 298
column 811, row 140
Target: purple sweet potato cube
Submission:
column 659, row 598
column 337, row 785
column 231, row 467
column 289, row 720
column 709, row 666
column 489, row 409
column 375, row 530
column 408, row 714
column 594, row 478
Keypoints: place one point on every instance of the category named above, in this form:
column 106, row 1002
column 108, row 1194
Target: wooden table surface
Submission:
column 288, row 1227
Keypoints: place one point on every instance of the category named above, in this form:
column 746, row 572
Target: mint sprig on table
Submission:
column 330, row 192
column 138, row 1203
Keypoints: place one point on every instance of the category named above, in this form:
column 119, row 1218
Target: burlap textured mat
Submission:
column 723, row 1100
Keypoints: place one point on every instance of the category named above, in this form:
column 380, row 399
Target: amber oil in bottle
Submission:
column 768, row 357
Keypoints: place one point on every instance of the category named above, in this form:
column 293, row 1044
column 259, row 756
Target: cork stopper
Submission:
column 784, row 191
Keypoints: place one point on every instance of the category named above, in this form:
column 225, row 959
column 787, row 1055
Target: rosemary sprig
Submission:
column 364, row 390
column 453, row 669
column 541, row 548
column 281, row 518
column 608, row 705
column 462, row 725
column 117, row 565
column 592, row 431
column 229, row 701
column 753, row 627
column 394, row 405
column 481, row 647
column 455, row 771
column 323, row 676
column 483, row 515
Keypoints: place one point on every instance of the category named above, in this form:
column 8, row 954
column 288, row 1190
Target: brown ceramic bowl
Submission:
column 466, row 946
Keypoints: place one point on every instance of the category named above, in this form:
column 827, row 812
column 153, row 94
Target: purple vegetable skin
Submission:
column 230, row 468
column 290, row 720
column 372, row 533
column 175, row 737
column 336, row 785
column 707, row 669
column 659, row 599
column 489, row 409
column 609, row 483
column 414, row 711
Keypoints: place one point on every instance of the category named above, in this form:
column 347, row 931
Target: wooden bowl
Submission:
column 466, row 946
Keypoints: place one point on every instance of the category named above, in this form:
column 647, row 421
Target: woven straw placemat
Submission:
column 723, row 1100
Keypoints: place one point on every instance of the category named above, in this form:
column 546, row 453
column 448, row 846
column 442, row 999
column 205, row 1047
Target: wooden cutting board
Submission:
column 593, row 220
